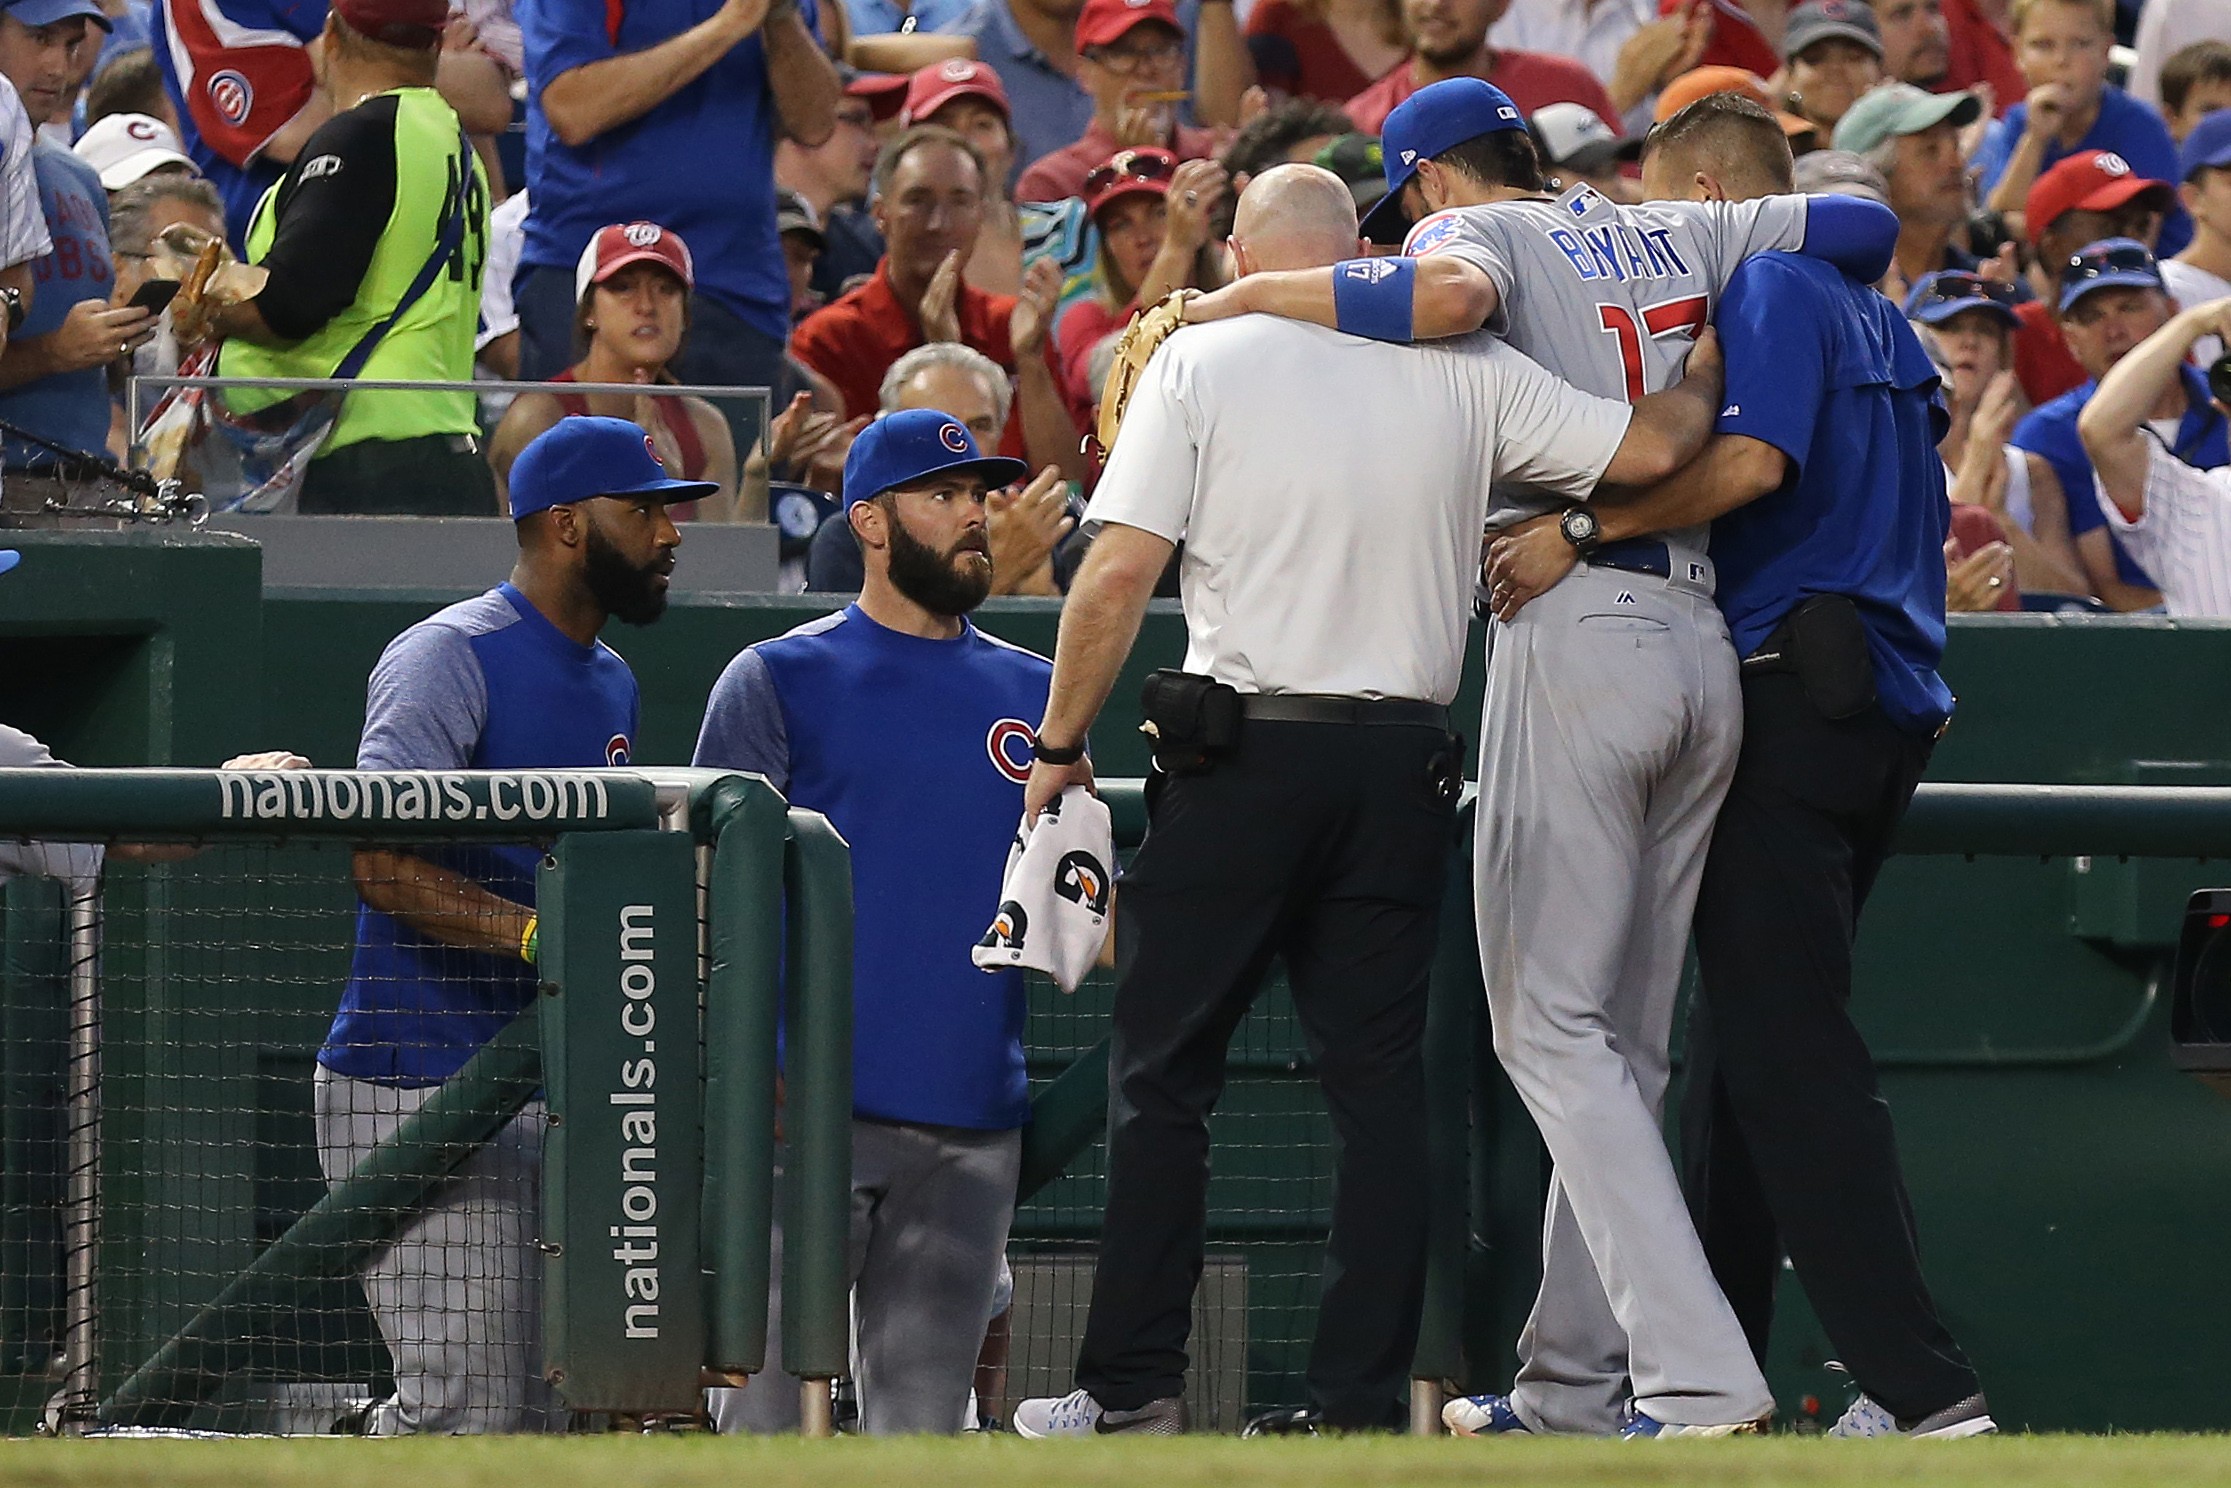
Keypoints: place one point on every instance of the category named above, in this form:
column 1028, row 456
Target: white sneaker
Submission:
column 1969, row 1417
column 1078, row 1414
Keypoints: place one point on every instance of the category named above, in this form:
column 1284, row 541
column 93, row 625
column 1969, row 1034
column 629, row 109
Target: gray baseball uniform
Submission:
column 1610, row 732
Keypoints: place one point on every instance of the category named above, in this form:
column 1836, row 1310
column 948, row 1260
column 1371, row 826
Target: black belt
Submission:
column 1313, row 707
column 1635, row 555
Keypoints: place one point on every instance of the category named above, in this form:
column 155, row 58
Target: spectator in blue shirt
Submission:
column 667, row 111
column 2062, row 48
column 2112, row 298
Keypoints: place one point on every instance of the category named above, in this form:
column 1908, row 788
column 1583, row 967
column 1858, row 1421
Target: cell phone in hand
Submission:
column 154, row 296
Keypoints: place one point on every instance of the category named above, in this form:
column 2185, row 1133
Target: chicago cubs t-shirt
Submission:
column 238, row 70
column 917, row 751
column 487, row 684
column 70, row 408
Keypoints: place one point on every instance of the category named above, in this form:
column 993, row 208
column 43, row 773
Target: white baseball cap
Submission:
column 124, row 147
column 1574, row 137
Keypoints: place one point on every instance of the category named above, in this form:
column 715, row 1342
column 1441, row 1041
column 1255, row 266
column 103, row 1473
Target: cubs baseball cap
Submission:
column 417, row 24
column 623, row 243
column 1839, row 173
column 903, row 448
column 37, row 13
column 1703, row 82
column 1574, row 136
column 585, row 456
column 2094, row 181
column 1821, row 20
column 933, row 87
column 1949, row 292
column 1900, row 108
column 2109, row 264
column 1438, row 117
column 1106, row 22
column 123, row 147
column 2208, row 147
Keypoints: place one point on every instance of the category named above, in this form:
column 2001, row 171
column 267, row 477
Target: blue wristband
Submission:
column 1371, row 296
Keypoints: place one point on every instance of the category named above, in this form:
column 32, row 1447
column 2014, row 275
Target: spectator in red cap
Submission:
column 1153, row 214
column 1131, row 59
column 1329, row 50
column 2084, row 199
column 374, row 249
column 929, row 201
column 632, row 309
column 833, row 178
column 1449, row 40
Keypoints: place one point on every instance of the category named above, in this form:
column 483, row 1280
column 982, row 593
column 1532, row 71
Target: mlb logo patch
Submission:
column 1583, row 201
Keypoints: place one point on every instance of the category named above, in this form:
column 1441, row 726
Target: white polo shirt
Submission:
column 1331, row 493
column 2183, row 537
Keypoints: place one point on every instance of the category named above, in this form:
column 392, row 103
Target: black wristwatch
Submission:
column 13, row 299
column 1045, row 754
column 1581, row 529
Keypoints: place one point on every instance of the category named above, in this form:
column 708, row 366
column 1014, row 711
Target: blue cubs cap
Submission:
column 47, row 12
column 1437, row 117
column 2107, row 264
column 585, row 456
column 2208, row 147
column 910, row 446
column 1949, row 292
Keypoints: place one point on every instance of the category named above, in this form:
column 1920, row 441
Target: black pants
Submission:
column 1786, row 1138
column 1322, row 845
column 434, row 475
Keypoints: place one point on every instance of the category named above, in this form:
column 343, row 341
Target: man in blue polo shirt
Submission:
column 1827, row 502
column 911, row 731
column 2112, row 298
column 667, row 111
column 445, row 940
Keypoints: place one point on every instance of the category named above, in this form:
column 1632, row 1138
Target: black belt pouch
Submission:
column 1828, row 642
column 1191, row 721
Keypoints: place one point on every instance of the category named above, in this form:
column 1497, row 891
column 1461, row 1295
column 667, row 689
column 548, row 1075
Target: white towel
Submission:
column 1054, row 897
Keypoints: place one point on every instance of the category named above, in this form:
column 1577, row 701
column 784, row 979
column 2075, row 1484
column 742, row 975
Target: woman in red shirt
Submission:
column 1329, row 50
column 1153, row 215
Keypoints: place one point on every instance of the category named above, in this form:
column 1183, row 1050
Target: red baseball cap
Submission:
column 884, row 91
column 940, row 83
column 402, row 23
column 1144, row 171
column 1105, row 22
column 623, row 243
column 2095, row 181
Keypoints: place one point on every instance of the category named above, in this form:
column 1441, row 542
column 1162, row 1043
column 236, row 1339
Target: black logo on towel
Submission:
column 1082, row 880
column 1007, row 927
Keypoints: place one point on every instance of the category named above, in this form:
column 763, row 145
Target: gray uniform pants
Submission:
column 1612, row 723
column 930, row 1211
column 458, row 1295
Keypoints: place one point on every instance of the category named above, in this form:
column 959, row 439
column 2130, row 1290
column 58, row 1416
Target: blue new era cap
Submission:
column 2107, row 264
column 2208, row 147
column 1437, row 117
column 910, row 446
column 586, row 456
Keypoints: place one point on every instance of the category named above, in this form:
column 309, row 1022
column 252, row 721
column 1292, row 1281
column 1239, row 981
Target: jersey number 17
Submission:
column 1662, row 319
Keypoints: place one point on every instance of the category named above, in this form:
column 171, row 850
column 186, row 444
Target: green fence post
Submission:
column 816, row 1287
column 1068, row 1116
column 743, row 997
column 1453, row 1000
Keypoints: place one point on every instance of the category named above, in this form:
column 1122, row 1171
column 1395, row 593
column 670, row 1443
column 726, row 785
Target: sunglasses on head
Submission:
column 2094, row 263
column 1129, row 165
column 1955, row 285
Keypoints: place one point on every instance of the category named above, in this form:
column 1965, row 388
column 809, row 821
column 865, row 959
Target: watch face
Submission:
column 1579, row 525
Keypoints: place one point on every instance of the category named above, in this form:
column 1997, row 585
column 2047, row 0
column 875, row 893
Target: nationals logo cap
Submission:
column 585, row 456
column 2093, row 181
column 940, row 83
column 910, row 446
column 623, row 243
column 1436, row 118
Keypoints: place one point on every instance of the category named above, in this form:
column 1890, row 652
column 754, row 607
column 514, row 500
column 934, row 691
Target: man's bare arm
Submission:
column 584, row 102
column 1669, row 428
column 1733, row 471
column 1099, row 624
column 439, row 904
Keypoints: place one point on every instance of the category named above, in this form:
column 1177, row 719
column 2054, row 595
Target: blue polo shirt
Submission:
column 2049, row 432
column 1829, row 373
column 487, row 684
column 702, row 163
column 2129, row 128
column 70, row 408
column 916, row 750
column 880, row 17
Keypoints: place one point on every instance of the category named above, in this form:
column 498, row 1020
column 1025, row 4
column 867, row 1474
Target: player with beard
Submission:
column 910, row 730
column 446, row 937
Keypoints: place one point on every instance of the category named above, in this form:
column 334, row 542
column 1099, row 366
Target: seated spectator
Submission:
column 1624, row 43
column 1131, row 59
column 1578, row 146
column 1703, row 82
column 832, row 177
column 2203, row 271
column 2176, row 520
column 929, row 201
column 1915, row 46
column 2071, row 109
column 803, row 243
column 1833, row 53
column 121, row 148
column 1294, row 131
column 1326, row 50
column 2111, row 299
column 1913, row 138
column 632, row 312
column 2084, row 199
column 1448, row 39
column 1025, row 524
column 2195, row 83
column 1971, row 320
column 1153, row 215
column 2173, row 45
column 129, row 83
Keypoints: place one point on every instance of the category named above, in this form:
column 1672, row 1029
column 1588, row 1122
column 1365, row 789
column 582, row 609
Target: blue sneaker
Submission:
column 1639, row 1426
column 1483, row 1415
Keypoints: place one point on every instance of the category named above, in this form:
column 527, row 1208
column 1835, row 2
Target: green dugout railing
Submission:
column 663, row 896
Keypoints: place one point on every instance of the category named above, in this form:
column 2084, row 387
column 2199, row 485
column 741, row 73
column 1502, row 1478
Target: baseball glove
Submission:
column 1133, row 350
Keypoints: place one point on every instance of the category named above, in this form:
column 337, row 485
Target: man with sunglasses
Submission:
column 1131, row 59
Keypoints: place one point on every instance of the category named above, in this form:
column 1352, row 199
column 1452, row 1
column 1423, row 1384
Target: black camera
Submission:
column 2219, row 378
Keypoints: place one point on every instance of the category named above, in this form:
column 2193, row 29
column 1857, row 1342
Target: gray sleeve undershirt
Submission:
column 744, row 727
column 426, row 705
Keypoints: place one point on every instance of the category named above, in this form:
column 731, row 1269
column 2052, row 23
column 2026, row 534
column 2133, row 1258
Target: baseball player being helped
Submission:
column 1331, row 632
column 1610, row 732
column 514, row 679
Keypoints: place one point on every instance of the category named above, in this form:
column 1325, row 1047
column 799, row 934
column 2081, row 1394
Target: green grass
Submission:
column 704, row 1462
